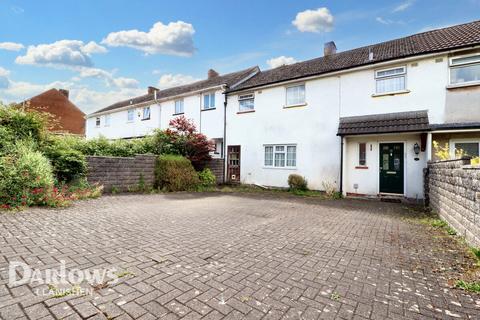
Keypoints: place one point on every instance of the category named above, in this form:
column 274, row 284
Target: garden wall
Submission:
column 123, row 173
column 216, row 165
column 452, row 189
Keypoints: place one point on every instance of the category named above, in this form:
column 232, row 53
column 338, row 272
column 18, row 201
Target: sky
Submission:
column 105, row 51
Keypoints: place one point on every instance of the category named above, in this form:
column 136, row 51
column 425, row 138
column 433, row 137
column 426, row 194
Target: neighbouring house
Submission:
column 202, row 101
column 362, row 120
column 67, row 117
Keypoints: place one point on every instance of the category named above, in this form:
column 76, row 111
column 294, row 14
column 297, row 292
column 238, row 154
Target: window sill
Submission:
column 145, row 119
column 280, row 168
column 295, row 106
column 248, row 111
column 177, row 114
column 393, row 93
column 209, row 109
column 361, row 167
column 131, row 121
column 463, row 85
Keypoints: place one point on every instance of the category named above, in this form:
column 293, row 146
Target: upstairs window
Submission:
column 178, row 106
column 209, row 101
column 390, row 80
column 295, row 95
column 97, row 121
column 465, row 69
column 107, row 120
column 130, row 115
column 146, row 113
column 246, row 102
column 280, row 156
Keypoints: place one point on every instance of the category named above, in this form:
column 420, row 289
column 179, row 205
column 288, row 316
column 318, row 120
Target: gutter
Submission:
column 225, row 138
column 366, row 66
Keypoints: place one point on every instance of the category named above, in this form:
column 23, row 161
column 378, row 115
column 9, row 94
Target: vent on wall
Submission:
column 438, row 60
column 415, row 64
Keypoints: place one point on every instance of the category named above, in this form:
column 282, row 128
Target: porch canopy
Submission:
column 411, row 121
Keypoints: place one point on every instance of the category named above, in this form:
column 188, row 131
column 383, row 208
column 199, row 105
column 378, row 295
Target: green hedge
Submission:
column 175, row 173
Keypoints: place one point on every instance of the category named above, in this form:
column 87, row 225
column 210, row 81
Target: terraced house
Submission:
column 362, row 121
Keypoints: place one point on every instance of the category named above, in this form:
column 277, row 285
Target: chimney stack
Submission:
column 64, row 92
column 329, row 48
column 151, row 90
column 212, row 74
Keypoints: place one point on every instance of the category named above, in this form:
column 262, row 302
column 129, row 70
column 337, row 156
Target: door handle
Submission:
column 391, row 172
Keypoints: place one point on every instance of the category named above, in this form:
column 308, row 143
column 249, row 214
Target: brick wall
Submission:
column 216, row 165
column 453, row 189
column 121, row 173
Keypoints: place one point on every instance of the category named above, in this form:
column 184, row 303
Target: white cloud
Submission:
column 20, row 90
column 176, row 38
column 63, row 53
column 4, row 81
column 280, row 61
column 383, row 21
column 11, row 46
column 110, row 79
column 173, row 80
column 403, row 6
column 434, row 27
column 91, row 100
column 319, row 20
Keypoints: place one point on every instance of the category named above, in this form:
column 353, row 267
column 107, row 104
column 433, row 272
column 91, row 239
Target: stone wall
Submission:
column 453, row 189
column 216, row 165
column 123, row 174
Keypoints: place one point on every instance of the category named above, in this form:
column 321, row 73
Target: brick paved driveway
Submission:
column 237, row 257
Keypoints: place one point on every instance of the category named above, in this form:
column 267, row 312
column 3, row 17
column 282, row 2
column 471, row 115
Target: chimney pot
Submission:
column 212, row 73
column 329, row 48
column 151, row 90
column 64, row 92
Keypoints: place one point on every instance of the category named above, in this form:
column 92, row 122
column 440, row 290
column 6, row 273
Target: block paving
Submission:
column 227, row 256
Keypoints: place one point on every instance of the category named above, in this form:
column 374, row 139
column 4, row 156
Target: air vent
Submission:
column 438, row 60
column 415, row 64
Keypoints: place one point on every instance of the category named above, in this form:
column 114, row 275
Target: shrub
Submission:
column 68, row 164
column 207, row 178
column 24, row 174
column 175, row 173
column 297, row 182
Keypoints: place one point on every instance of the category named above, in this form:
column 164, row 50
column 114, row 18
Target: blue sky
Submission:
column 105, row 51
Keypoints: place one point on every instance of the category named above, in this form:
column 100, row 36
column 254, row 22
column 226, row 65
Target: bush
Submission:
column 297, row 182
column 23, row 174
column 68, row 164
column 175, row 173
column 207, row 178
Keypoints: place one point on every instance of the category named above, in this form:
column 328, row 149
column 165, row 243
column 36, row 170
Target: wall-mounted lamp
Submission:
column 416, row 149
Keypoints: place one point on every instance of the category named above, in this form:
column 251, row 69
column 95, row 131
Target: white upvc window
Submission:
column 146, row 113
column 465, row 69
column 467, row 147
column 295, row 95
column 280, row 156
column 362, row 154
column 246, row 102
column 390, row 80
column 107, row 120
column 179, row 106
column 130, row 115
column 97, row 121
column 209, row 101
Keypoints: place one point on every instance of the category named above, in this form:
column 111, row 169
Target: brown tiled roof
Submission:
column 454, row 37
column 384, row 123
column 230, row 79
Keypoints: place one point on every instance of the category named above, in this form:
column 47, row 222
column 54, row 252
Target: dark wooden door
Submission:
column 233, row 164
column 391, row 168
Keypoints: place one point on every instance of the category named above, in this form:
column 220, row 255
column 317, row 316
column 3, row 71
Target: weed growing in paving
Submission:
column 468, row 286
column 335, row 296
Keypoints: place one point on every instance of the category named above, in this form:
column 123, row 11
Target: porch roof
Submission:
column 411, row 121
column 455, row 126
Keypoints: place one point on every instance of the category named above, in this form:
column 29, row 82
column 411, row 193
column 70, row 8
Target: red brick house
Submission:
column 68, row 117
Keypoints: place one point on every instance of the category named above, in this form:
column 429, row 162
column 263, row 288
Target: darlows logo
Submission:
column 60, row 280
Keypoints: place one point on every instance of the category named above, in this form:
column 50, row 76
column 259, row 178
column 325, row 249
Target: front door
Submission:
column 233, row 164
column 391, row 168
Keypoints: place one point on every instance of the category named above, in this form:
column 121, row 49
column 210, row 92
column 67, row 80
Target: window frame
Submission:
column 359, row 162
column 132, row 111
column 452, row 143
column 304, row 103
column 175, row 106
column 98, row 122
column 285, row 157
column 209, row 94
column 246, row 97
column 451, row 66
column 398, row 75
column 107, row 118
column 149, row 113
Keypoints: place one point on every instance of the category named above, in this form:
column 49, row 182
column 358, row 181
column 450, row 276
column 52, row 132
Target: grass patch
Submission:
column 122, row 274
column 335, row 296
column 476, row 252
column 468, row 286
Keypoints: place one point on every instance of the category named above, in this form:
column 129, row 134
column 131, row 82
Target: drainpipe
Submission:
column 159, row 109
column 225, row 137
column 341, row 165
